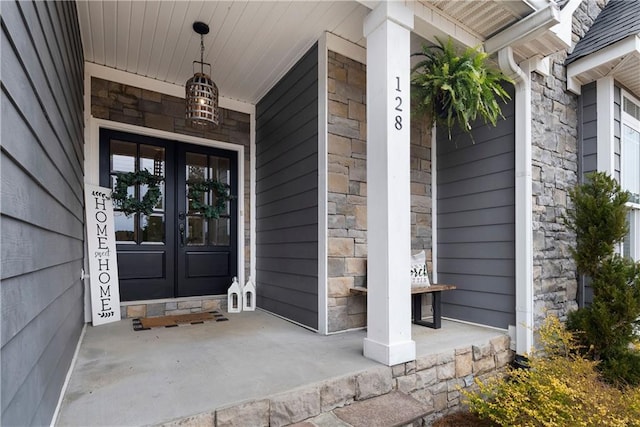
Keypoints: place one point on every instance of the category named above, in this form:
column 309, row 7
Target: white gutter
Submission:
column 525, row 30
column 539, row 4
column 523, row 193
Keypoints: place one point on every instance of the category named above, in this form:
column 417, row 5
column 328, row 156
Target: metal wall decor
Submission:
column 201, row 92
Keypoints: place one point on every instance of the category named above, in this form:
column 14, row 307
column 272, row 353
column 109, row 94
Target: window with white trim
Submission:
column 630, row 171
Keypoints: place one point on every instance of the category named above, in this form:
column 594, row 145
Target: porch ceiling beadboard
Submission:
column 251, row 45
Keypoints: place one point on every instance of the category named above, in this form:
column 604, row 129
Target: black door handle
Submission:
column 181, row 228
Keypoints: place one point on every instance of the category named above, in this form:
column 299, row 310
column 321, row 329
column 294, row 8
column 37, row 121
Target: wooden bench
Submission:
column 416, row 296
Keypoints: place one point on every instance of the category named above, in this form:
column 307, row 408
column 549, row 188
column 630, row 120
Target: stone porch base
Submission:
column 174, row 306
column 434, row 380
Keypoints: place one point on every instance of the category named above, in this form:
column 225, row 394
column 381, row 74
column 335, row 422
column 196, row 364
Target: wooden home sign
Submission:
column 103, row 263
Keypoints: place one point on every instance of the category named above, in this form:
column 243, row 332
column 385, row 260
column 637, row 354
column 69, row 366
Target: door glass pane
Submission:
column 195, row 231
column 130, row 157
column 631, row 162
column 196, row 167
column 219, row 232
column 220, row 169
column 160, row 205
column 130, row 189
column 152, row 228
column 124, row 226
column 196, row 171
column 152, row 159
column 200, row 197
column 201, row 231
column 123, row 156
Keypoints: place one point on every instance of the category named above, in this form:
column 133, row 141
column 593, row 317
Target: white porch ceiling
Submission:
column 252, row 44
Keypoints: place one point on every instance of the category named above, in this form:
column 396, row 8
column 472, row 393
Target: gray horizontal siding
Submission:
column 588, row 155
column 287, row 195
column 298, row 174
column 289, row 219
column 617, row 132
column 307, row 200
column 588, row 129
column 476, row 222
column 41, row 174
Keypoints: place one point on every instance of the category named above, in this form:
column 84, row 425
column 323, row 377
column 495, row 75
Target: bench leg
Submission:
column 437, row 311
column 417, row 308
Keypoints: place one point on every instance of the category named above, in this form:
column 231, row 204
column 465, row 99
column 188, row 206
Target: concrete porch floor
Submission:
column 124, row 378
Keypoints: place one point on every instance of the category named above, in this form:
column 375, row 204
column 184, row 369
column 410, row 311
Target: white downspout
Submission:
column 523, row 195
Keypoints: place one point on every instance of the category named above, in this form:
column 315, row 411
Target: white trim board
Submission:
column 323, row 188
column 67, row 377
column 605, row 92
column 434, row 205
column 344, row 47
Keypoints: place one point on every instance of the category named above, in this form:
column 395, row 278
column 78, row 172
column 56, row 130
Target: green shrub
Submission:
column 561, row 388
column 599, row 221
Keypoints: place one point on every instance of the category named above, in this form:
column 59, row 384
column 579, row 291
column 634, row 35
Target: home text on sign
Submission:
column 103, row 265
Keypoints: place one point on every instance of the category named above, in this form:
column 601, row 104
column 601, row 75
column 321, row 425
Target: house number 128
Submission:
column 398, row 102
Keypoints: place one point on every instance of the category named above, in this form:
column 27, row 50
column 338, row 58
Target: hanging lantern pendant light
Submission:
column 201, row 92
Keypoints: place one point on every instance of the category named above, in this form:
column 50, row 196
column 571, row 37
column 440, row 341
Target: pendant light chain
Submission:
column 202, row 53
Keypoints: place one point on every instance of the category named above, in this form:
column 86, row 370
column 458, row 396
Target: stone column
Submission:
column 387, row 29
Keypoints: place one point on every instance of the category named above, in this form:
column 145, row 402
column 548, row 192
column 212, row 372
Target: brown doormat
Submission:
column 145, row 323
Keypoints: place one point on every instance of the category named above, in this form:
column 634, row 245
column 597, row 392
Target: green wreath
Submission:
column 130, row 204
column 198, row 188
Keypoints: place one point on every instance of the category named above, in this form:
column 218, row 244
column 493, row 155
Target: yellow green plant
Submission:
column 561, row 388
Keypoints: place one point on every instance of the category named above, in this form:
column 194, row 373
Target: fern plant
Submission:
column 456, row 88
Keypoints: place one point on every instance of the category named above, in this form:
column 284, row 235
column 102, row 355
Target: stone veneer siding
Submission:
column 347, row 188
column 555, row 172
column 172, row 307
column 435, row 380
column 128, row 104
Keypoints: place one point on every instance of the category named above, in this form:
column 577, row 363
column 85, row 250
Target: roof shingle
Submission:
column 619, row 19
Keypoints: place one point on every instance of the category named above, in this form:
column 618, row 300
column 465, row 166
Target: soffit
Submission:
column 252, row 44
column 620, row 60
column 483, row 18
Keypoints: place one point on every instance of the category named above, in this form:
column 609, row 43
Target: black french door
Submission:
column 175, row 251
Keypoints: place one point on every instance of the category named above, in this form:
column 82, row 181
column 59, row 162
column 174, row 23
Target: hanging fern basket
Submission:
column 221, row 196
column 453, row 88
column 129, row 204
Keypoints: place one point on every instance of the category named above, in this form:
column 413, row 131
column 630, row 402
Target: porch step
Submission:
column 394, row 409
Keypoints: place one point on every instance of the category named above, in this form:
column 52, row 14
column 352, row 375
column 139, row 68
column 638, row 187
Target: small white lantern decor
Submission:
column 249, row 296
column 234, row 297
